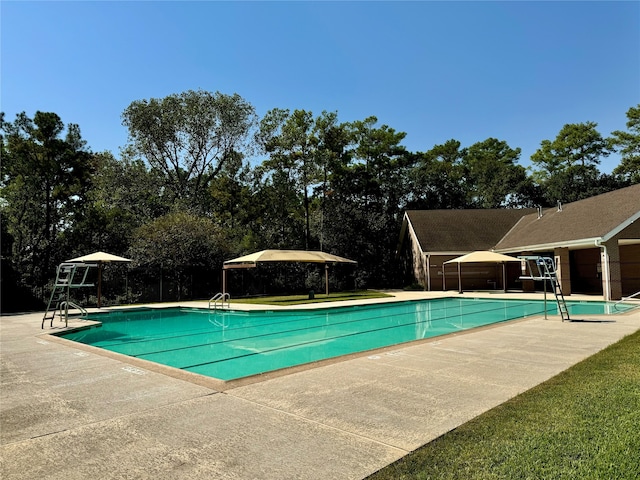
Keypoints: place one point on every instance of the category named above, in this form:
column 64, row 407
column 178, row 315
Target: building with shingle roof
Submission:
column 431, row 237
column 594, row 219
column 595, row 243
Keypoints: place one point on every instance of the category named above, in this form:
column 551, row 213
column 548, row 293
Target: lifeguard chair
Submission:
column 543, row 268
column 68, row 276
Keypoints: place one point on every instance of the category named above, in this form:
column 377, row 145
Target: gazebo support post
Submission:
column 326, row 279
column 224, row 281
column 504, row 277
column 444, row 279
column 99, row 283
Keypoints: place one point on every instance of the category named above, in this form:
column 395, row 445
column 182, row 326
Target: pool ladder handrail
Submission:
column 624, row 299
column 219, row 297
column 64, row 307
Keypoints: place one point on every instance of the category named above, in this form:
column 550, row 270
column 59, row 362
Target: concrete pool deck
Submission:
column 69, row 412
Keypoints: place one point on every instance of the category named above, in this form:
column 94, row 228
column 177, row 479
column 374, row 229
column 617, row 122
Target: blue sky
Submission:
column 516, row 71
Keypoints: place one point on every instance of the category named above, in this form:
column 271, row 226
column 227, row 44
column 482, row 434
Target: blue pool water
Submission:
column 231, row 344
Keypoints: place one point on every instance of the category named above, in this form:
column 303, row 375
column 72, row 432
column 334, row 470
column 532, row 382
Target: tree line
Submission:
column 186, row 192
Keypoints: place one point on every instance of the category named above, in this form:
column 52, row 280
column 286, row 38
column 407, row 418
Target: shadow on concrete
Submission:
column 578, row 320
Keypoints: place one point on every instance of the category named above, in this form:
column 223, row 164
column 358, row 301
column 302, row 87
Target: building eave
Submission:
column 621, row 227
column 581, row 243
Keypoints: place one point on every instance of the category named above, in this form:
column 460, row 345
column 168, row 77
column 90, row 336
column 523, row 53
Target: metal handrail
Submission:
column 65, row 306
column 214, row 299
column 615, row 305
column 219, row 297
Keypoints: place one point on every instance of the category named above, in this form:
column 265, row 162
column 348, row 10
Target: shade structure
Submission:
column 99, row 258
column 297, row 256
column 482, row 256
column 292, row 256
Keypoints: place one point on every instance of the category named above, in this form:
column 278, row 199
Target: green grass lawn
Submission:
column 319, row 298
column 582, row 424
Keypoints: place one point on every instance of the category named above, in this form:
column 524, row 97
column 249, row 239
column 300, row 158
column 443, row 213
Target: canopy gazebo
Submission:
column 284, row 256
column 99, row 259
column 482, row 257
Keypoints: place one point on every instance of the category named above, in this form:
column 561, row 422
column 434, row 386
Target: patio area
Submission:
column 71, row 412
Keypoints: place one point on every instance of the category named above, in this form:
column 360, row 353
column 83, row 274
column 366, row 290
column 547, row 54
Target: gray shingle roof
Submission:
column 511, row 229
column 462, row 230
column 593, row 217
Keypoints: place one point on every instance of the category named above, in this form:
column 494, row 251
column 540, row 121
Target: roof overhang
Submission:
column 581, row 244
column 544, row 247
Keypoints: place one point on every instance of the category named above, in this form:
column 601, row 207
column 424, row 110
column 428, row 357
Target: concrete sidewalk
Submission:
column 71, row 413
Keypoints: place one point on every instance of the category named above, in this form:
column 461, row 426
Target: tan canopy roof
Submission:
column 483, row 257
column 98, row 257
column 296, row 256
column 300, row 256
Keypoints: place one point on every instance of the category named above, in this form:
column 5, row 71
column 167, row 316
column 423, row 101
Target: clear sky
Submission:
column 514, row 70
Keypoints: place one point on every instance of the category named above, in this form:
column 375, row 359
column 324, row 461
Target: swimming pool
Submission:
column 232, row 344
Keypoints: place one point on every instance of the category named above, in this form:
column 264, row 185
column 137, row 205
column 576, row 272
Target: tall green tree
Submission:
column 438, row 178
column 46, row 174
column 288, row 140
column 378, row 152
column 576, row 144
column 567, row 167
column 179, row 244
column 368, row 195
column 189, row 136
column 125, row 194
column 235, row 206
column 628, row 144
column 332, row 141
column 280, row 221
column 493, row 177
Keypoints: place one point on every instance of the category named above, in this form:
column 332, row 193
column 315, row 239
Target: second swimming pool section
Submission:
column 232, row 344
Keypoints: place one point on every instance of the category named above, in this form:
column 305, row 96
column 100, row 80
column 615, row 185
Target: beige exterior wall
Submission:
column 417, row 259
